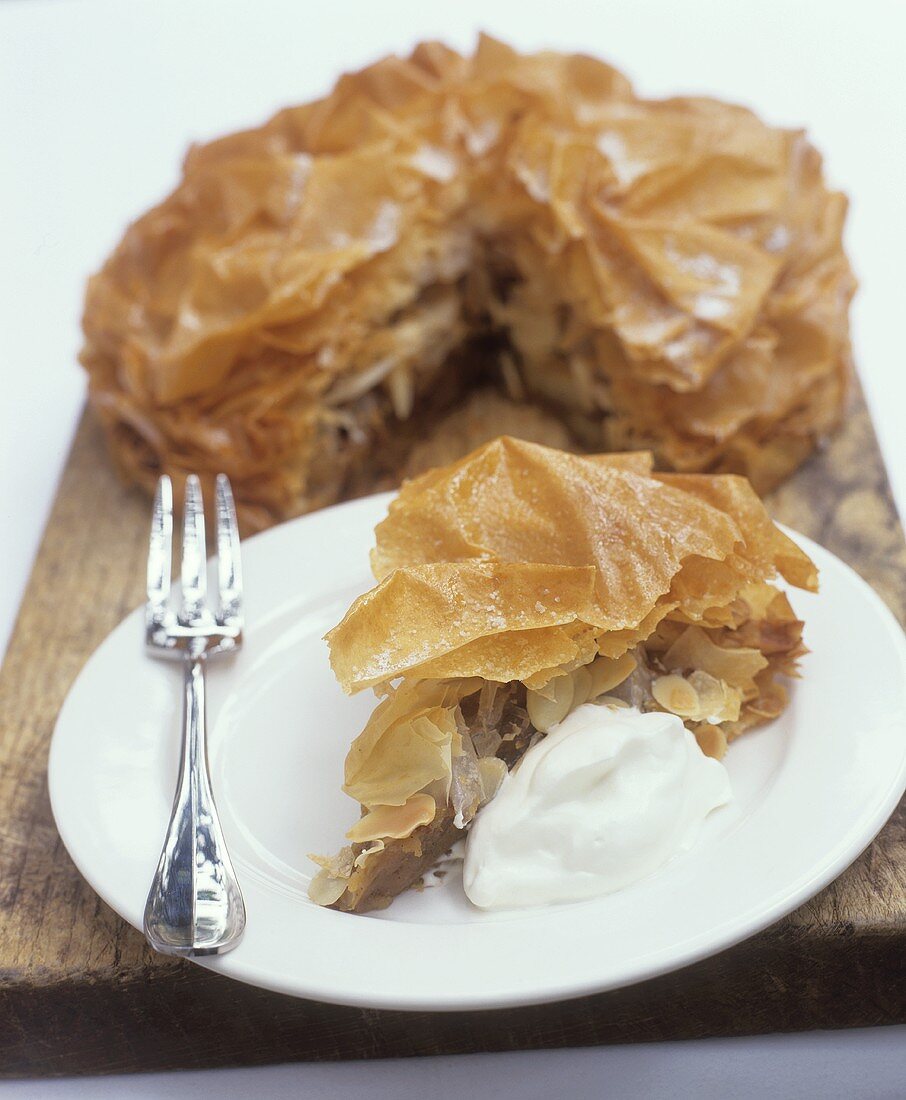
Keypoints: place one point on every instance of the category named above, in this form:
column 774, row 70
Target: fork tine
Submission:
column 229, row 566
column 160, row 549
column 193, row 572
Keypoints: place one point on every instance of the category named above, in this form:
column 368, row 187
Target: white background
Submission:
column 98, row 101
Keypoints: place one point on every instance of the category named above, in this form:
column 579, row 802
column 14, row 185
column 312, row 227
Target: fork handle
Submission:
column 194, row 906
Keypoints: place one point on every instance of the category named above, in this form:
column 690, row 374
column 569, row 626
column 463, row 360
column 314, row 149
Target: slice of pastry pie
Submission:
column 515, row 585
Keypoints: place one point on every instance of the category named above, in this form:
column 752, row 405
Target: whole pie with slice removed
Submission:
column 322, row 293
column 516, row 584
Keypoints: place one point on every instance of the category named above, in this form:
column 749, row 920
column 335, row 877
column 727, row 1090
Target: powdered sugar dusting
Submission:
column 725, row 280
column 778, row 239
column 437, row 164
column 385, row 227
column 625, row 168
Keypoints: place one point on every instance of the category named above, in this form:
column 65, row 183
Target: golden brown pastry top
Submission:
column 678, row 261
column 519, row 560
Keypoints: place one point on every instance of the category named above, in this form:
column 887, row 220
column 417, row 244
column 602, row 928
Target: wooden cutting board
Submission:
column 81, row 993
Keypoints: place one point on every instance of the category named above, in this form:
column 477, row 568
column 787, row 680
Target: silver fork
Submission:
column 195, row 906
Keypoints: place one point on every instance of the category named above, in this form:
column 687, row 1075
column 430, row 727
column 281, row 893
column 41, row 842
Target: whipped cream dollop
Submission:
column 610, row 795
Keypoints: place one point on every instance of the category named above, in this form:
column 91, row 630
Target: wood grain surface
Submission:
column 81, row 993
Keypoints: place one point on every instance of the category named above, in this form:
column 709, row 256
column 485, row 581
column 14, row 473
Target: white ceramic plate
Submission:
column 810, row 792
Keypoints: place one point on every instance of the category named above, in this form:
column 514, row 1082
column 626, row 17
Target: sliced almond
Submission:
column 719, row 702
column 711, row 740
column 512, row 380
column 582, row 685
column 545, row 712
column 361, row 858
column 609, row 672
column 384, row 822
column 402, row 392
column 695, row 649
column 339, row 866
column 612, row 701
column 325, row 889
column 677, row 695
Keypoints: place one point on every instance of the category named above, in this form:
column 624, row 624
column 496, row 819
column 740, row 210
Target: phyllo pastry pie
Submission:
column 515, row 585
column 320, row 292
